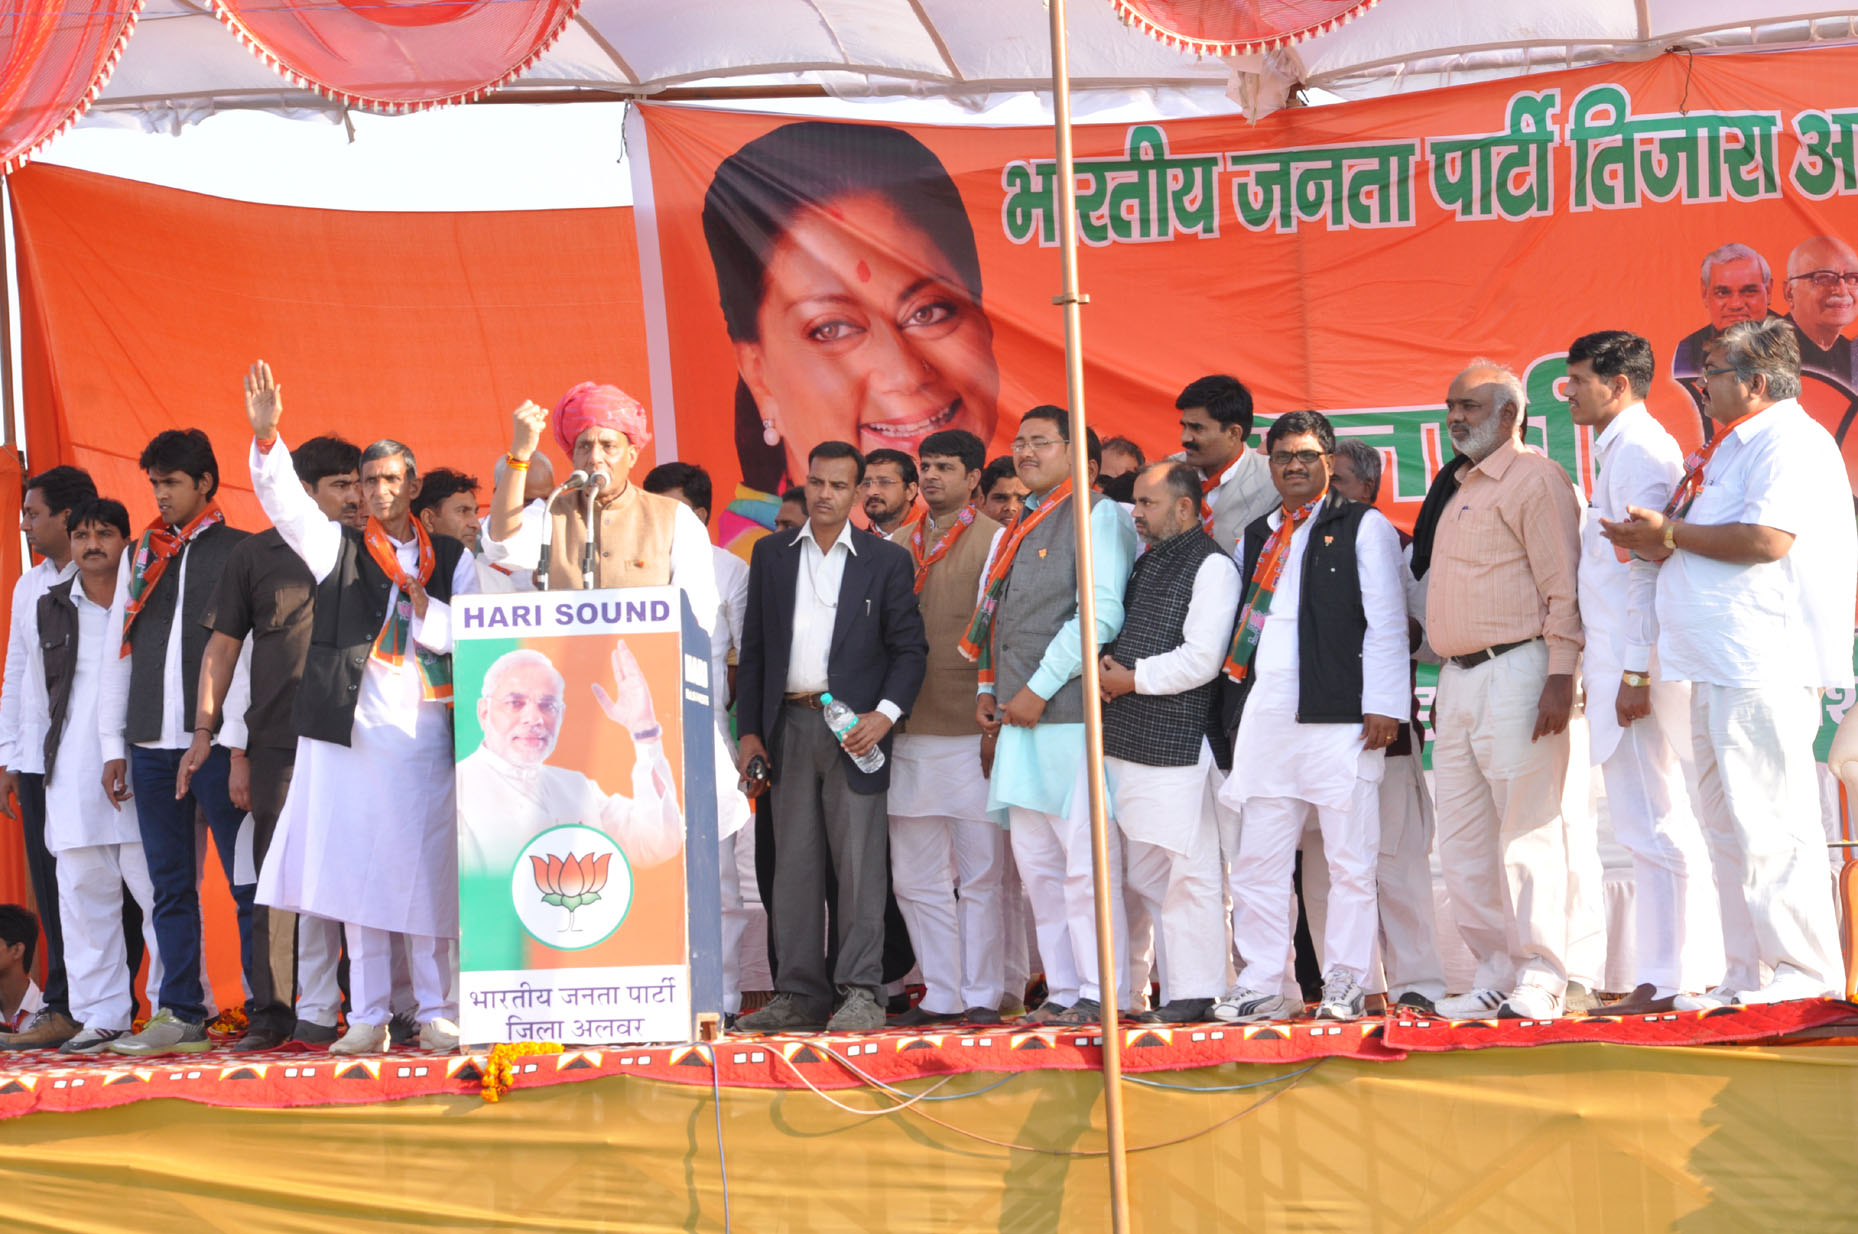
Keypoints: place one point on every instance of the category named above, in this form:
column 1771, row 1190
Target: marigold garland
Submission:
column 230, row 1023
column 500, row 1067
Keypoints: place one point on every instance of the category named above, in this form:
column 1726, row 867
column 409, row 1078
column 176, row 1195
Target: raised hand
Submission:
column 264, row 401
column 526, row 425
column 630, row 703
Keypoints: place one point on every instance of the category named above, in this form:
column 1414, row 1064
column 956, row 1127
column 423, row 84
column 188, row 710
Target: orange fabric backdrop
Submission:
column 142, row 306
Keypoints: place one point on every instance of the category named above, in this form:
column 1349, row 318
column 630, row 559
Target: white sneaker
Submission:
column 1243, row 1006
column 362, row 1039
column 1531, row 1002
column 1343, row 998
column 92, row 1041
column 1709, row 1000
column 1787, row 987
column 1479, row 1004
column 439, row 1035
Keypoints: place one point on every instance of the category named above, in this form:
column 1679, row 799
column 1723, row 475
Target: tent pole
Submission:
column 1071, row 301
column 9, row 387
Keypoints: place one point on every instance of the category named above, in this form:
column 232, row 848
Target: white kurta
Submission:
column 368, row 834
column 77, row 813
column 22, row 694
column 504, row 806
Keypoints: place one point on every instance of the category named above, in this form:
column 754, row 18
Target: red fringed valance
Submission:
column 55, row 56
column 1237, row 27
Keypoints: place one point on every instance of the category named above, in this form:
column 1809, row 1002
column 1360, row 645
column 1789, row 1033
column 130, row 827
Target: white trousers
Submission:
column 1230, row 824
column 319, row 951
column 1054, row 857
column 1264, row 906
column 958, row 938
column 90, row 904
column 1502, row 838
column 1587, row 942
column 1646, row 777
column 1758, row 789
column 735, row 918
column 371, row 975
column 1019, row 951
column 1177, row 884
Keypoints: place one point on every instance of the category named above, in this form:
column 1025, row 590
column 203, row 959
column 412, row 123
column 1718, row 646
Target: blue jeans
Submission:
column 168, row 843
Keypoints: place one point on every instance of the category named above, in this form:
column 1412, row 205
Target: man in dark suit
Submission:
column 831, row 610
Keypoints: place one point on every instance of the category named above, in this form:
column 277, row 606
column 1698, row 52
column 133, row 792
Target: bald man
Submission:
column 1822, row 300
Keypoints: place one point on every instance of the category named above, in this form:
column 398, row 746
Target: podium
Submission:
column 589, row 900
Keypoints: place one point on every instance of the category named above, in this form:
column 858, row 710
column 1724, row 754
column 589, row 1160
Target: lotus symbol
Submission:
column 570, row 882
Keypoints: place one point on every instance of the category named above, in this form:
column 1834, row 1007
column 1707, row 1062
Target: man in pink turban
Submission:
column 644, row 540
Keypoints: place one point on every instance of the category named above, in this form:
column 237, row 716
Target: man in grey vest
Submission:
column 145, row 714
column 1026, row 637
column 1160, row 686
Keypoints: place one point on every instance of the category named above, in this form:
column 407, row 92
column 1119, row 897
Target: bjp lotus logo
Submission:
column 570, row 882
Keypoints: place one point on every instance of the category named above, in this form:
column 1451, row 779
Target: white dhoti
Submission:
column 1054, row 856
column 1171, row 852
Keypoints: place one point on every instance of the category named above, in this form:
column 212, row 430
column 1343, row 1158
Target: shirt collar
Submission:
column 845, row 537
column 1498, row 460
column 1617, row 428
column 1760, row 420
column 1237, row 465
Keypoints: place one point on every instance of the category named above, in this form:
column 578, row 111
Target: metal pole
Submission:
column 1071, row 301
column 9, row 393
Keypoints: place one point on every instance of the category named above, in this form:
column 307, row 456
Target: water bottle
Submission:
column 841, row 720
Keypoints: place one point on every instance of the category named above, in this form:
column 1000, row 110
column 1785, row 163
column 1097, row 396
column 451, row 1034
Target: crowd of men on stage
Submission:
column 1258, row 620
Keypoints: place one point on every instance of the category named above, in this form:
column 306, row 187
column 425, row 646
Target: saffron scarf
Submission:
column 396, row 635
column 159, row 545
column 1263, row 586
column 963, row 521
column 977, row 643
column 1206, row 493
column 1692, row 483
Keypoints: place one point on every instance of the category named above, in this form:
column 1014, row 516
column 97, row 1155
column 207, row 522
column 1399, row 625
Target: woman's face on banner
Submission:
column 867, row 335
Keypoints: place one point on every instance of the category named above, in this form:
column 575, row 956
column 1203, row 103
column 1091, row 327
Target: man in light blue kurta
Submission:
column 1038, row 770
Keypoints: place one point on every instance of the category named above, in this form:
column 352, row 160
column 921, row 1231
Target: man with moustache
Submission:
column 942, row 839
column 1758, row 575
column 373, row 712
column 266, row 596
column 508, row 794
column 889, row 490
column 1026, row 638
column 1160, row 688
column 1502, row 550
column 1737, row 286
column 1822, row 300
column 1003, row 494
column 50, row 496
column 1235, row 483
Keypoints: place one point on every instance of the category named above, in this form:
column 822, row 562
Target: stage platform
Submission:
column 1738, row 1119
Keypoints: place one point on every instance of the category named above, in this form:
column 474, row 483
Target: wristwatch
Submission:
column 1670, row 536
column 1635, row 680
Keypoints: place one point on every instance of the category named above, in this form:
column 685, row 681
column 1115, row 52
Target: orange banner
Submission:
column 875, row 283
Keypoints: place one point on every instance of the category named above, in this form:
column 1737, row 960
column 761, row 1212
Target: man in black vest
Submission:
column 1160, row 683
column 369, row 835
column 1318, row 666
column 831, row 610
column 146, row 714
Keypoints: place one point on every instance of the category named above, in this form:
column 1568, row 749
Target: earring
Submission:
column 769, row 433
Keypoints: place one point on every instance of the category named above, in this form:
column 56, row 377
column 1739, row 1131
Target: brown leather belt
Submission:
column 1489, row 653
column 807, row 700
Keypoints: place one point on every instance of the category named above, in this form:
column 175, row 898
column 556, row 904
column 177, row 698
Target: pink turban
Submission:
column 593, row 406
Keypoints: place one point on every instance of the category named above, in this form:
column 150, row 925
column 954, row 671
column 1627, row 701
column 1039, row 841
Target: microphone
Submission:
column 575, row 480
column 597, row 481
column 590, row 552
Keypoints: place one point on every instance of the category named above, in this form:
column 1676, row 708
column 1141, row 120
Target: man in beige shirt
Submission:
column 1501, row 614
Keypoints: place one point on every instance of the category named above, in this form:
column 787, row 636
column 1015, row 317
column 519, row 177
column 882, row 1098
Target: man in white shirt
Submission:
column 20, row 998
column 1160, row 684
column 1235, row 483
column 98, row 841
column 1638, row 726
column 1754, row 604
column 50, row 497
column 1319, row 666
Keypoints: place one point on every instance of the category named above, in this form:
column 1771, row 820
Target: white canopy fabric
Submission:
column 182, row 63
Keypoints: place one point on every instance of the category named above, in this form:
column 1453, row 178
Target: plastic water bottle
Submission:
column 841, row 720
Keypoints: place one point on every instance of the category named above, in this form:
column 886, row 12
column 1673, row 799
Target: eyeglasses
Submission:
column 1034, row 445
column 1715, row 372
column 1309, row 458
column 1826, row 280
column 514, row 704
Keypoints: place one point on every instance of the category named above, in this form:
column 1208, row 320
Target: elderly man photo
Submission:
column 1822, row 301
column 508, row 794
column 1754, row 605
column 1737, row 286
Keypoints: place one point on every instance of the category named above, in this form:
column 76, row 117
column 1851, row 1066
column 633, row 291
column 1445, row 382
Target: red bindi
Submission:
column 864, row 273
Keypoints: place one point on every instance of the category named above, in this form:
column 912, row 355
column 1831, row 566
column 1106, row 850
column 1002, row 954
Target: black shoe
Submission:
column 784, row 1013
column 256, row 1039
column 916, row 1017
column 1415, row 1002
column 980, row 1015
column 897, row 1004
column 1181, row 1011
column 403, row 1029
column 1083, row 1011
column 309, row 1032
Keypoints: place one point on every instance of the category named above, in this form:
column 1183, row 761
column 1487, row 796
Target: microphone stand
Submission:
column 590, row 554
column 548, row 527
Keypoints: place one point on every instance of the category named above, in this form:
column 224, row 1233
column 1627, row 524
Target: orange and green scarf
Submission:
column 435, row 671
column 1265, row 575
column 977, row 643
column 159, row 545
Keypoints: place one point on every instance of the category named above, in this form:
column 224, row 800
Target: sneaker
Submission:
column 1180, row 1011
column 92, row 1041
column 362, row 1039
column 1579, row 1000
column 48, row 1030
column 784, row 1013
column 1478, row 1004
column 309, row 1032
column 1243, row 1006
column 1413, row 1003
column 165, row 1033
column 1343, row 998
column 1530, row 1002
column 1711, row 999
column 1046, row 1012
column 1012, row 1006
column 1083, row 1011
column 440, row 1035
column 1788, row 986
column 859, row 1013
